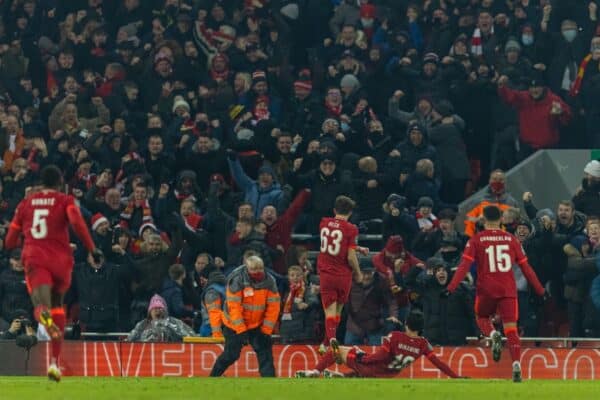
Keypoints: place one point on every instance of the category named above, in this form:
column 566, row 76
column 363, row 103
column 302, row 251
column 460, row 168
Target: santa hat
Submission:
column 98, row 219
column 258, row 76
column 147, row 225
column 394, row 245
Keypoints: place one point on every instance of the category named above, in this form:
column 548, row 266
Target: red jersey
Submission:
column 44, row 218
column 337, row 236
column 495, row 251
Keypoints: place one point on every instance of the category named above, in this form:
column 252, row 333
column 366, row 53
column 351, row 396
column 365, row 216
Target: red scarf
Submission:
column 261, row 109
column 193, row 221
column 296, row 295
column 333, row 111
column 131, row 206
column 580, row 74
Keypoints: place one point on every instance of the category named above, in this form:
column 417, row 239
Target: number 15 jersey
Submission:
column 337, row 236
column 495, row 252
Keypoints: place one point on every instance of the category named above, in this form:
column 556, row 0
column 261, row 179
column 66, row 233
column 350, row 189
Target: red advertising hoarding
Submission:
column 195, row 360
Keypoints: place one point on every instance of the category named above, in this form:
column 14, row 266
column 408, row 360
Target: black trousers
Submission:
column 261, row 344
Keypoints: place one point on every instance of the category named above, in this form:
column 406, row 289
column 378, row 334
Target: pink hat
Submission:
column 157, row 302
column 98, row 219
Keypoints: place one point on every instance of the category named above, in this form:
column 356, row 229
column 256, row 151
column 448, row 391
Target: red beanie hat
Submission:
column 394, row 245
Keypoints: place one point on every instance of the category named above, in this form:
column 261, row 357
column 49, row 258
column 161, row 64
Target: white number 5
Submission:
column 498, row 258
column 39, row 228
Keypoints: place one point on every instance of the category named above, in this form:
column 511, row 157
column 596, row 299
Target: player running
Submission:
column 398, row 351
column 43, row 219
column 494, row 252
column 337, row 263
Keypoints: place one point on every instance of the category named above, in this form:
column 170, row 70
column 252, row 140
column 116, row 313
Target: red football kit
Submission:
column 397, row 352
column 337, row 237
column 44, row 218
column 495, row 252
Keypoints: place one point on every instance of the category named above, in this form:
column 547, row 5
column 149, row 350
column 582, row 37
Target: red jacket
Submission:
column 538, row 128
column 280, row 233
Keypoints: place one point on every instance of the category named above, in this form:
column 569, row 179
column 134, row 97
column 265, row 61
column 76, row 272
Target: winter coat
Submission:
column 417, row 186
column 280, row 233
column 595, row 289
column 168, row 329
column 588, row 201
column 13, row 293
column 404, row 225
column 254, row 194
column 172, row 292
column 451, row 150
column 366, row 307
column 538, row 128
column 473, row 208
column 448, row 320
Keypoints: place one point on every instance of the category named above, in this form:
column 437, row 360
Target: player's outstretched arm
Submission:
column 461, row 272
column 442, row 366
column 80, row 227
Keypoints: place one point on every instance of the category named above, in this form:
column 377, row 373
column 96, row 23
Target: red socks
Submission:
column 60, row 319
column 325, row 361
column 485, row 325
column 331, row 324
column 37, row 311
column 514, row 343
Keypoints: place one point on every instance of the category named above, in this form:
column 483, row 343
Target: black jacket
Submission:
column 448, row 320
column 13, row 293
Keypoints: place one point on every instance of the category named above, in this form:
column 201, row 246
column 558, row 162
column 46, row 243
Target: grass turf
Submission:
column 292, row 389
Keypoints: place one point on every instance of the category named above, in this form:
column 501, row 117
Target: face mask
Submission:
column 376, row 132
column 257, row 276
column 497, row 187
column 345, row 127
column 527, row 40
column 450, row 256
column 569, row 35
column 366, row 22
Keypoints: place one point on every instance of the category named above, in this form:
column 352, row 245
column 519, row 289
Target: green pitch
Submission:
column 292, row 389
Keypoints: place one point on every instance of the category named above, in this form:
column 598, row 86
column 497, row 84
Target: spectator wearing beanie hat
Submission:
column 587, row 198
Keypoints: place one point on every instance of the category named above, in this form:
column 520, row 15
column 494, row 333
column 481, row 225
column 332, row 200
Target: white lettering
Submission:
column 43, row 202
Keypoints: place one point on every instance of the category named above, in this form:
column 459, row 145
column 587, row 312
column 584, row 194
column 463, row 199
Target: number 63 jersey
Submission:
column 337, row 236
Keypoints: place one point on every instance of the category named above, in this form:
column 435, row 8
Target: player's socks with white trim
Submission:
column 309, row 373
column 332, row 374
column 516, row 372
column 496, row 345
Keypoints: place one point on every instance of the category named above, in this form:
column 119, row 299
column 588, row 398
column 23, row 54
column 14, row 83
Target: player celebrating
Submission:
column 337, row 263
column 398, row 351
column 43, row 218
column 494, row 251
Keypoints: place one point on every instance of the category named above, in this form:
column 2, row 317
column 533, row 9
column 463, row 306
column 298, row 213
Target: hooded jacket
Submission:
column 254, row 194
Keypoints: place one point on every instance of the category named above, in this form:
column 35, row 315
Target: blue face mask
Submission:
column 527, row 40
column 569, row 35
column 345, row 127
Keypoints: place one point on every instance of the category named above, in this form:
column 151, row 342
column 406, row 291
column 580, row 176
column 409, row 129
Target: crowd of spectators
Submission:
column 197, row 133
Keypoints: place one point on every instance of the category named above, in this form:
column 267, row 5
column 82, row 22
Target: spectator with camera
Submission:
column 13, row 290
column 21, row 330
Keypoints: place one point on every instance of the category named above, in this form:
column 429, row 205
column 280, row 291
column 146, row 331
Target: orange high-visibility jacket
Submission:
column 250, row 305
column 474, row 208
column 214, row 307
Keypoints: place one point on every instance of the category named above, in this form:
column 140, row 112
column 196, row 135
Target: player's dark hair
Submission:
column 51, row 177
column 492, row 213
column 344, row 205
column 415, row 321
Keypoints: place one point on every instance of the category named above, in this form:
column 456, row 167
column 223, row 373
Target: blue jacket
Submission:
column 595, row 289
column 253, row 193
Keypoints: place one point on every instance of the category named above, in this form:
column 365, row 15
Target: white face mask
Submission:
column 569, row 34
column 366, row 22
column 527, row 40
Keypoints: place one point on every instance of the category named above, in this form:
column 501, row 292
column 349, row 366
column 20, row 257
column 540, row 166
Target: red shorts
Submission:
column 55, row 273
column 368, row 371
column 506, row 307
column 335, row 289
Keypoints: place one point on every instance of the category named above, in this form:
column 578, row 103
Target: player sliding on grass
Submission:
column 495, row 252
column 398, row 351
column 43, row 218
